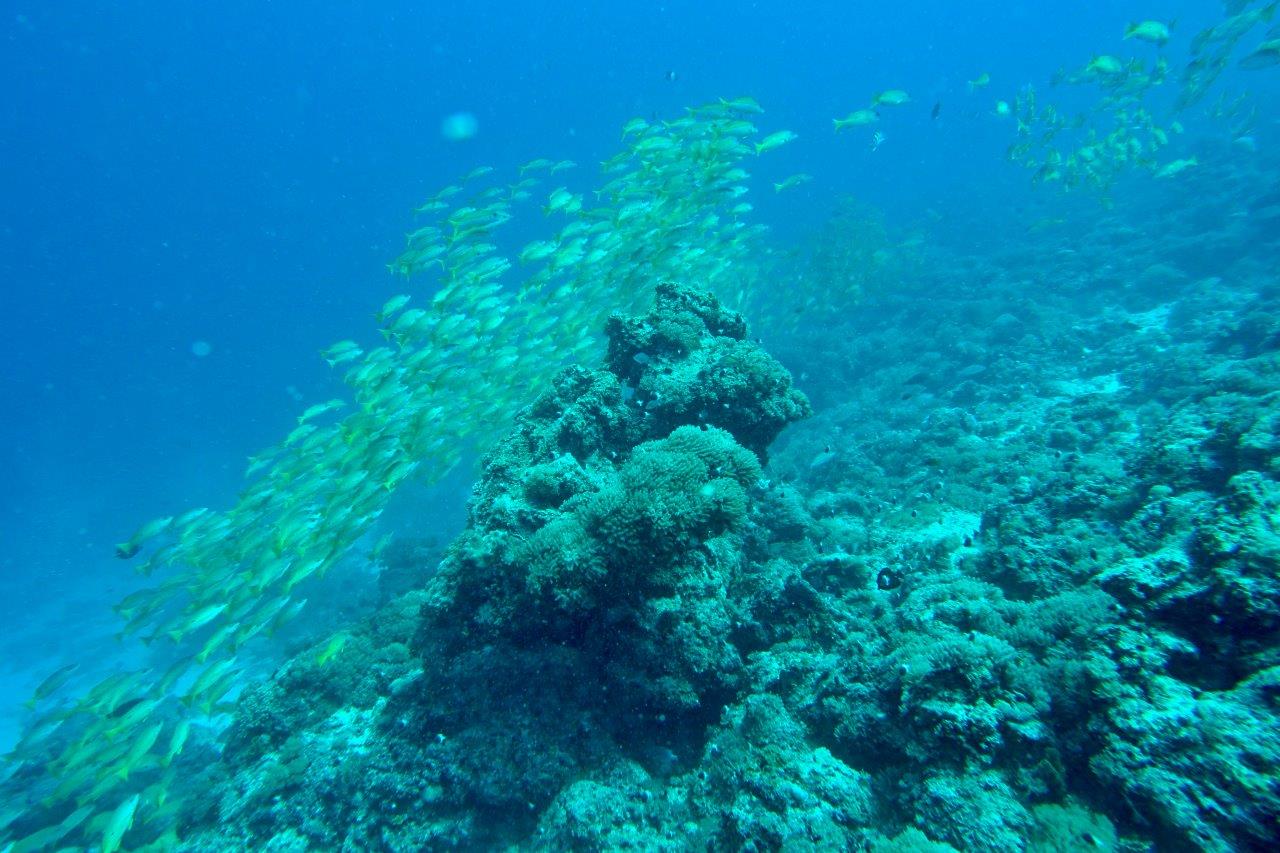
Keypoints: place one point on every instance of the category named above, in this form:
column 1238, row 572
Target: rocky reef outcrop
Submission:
column 937, row 621
column 587, row 633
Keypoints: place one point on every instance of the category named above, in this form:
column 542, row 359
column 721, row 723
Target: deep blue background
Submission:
column 239, row 173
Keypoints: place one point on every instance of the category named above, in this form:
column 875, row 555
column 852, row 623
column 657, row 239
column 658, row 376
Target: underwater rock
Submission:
column 1107, row 634
column 617, row 809
column 978, row 812
column 1044, row 619
column 1199, row 768
column 765, row 787
column 617, row 532
column 581, row 634
column 690, row 362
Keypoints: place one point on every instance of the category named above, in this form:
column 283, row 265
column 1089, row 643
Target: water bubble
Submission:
column 201, row 348
column 459, row 126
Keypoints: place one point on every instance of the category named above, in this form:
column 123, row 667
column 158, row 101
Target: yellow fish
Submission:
column 198, row 620
column 151, row 529
column 788, row 183
column 775, row 140
column 1266, row 55
column 1155, row 32
column 477, row 172
column 121, row 822
column 636, row 125
column 140, row 747
column 320, row 409
column 331, row 649
column 858, row 118
column 534, row 165
column 177, row 742
column 742, row 105
column 891, row 98
column 52, row 683
column 1177, row 167
column 1105, row 64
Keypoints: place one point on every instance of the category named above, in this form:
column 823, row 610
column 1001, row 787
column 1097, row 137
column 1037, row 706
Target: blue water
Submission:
column 239, row 175
column 196, row 198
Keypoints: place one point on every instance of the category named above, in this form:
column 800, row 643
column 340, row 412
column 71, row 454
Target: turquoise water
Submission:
column 933, row 504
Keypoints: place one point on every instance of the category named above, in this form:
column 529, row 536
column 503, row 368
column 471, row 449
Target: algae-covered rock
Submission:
column 973, row 811
column 599, row 525
column 690, row 362
column 1201, row 767
column 619, row 808
column 576, row 640
column 766, row 788
column 975, row 624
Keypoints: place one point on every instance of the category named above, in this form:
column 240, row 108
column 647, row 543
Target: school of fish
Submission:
column 471, row 333
column 474, row 328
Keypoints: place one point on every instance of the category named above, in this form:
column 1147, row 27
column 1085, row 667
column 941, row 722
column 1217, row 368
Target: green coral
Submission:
column 777, row 791
column 618, row 533
column 706, row 370
column 671, row 496
column 942, row 620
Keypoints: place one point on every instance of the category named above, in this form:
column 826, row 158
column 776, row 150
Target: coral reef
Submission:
column 579, row 637
column 1072, row 508
column 993, row 599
